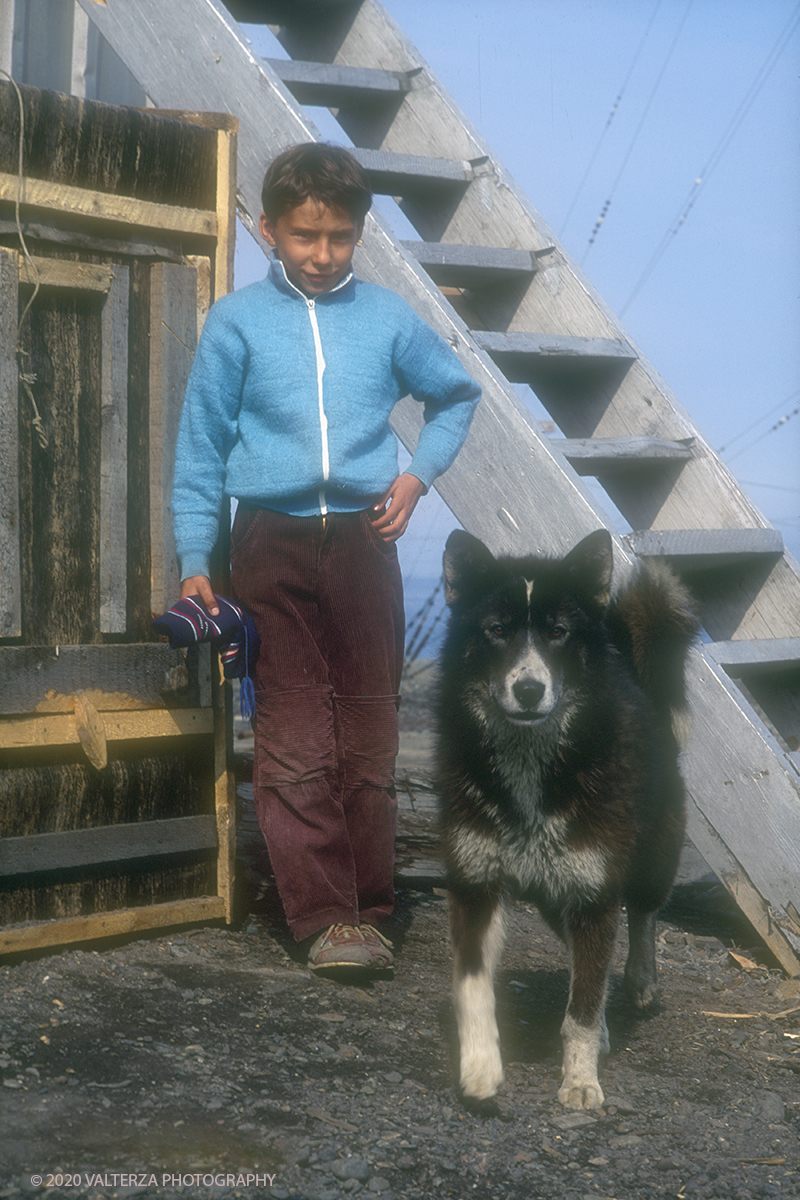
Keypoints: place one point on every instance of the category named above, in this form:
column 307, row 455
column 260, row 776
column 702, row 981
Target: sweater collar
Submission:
column 278, row 275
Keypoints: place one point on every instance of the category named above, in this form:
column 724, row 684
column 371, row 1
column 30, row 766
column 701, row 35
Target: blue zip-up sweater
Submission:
column 288, row 405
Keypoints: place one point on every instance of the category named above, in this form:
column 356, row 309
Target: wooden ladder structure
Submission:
column 518, row 310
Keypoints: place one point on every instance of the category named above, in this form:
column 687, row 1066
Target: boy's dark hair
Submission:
column 328, row 174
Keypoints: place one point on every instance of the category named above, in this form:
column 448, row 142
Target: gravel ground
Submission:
column 212, row 1063
column 192, row 1063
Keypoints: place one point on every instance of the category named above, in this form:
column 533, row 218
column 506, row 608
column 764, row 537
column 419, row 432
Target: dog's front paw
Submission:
column 481, row 1073
column 574, row 1093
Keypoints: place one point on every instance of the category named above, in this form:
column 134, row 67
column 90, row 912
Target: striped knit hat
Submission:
column 233, row 629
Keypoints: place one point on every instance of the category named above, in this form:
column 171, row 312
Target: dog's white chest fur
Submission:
column 540, row 858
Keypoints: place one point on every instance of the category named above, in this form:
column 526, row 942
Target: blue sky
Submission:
column 697, row 84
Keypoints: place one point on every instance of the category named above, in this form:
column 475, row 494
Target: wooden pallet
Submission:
column 529, row 315
column 102, row 833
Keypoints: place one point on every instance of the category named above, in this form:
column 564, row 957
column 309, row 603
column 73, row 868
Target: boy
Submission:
column 287, row 409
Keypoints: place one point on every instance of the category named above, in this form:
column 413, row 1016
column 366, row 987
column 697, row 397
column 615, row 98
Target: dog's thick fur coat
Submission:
column 558, row 749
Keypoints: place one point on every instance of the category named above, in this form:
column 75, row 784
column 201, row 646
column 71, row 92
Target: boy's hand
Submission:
column 200, row 585
column 394, row 510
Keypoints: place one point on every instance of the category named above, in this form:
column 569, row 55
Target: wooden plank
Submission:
column 224, row 794
column 41, row 196
column 772, row 655
column 705, row 549
column 113, row 550
column 61, row 730
column 323, row 85
column 593, row 456
column 173, row 338
column 43, row 679
column 61, row 273
column 10, row 566
column 521, row 356
column 16, row 940
column 472, row 266
column 99, row 845
column 399, row 174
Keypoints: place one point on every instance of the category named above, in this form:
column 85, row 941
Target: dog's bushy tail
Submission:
column 653, row 621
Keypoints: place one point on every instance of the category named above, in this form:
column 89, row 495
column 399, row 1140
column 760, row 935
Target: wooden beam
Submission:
column 706, row 549
column 593, row 456
column 38, row 195
column 323, row 85
column 10, row 567
column 60, row 273
column 19, row 733
column 113, row 564
column 142, row 675
column 64, row 932
column 772, row 655
column 173, row 339
column 472, row 266
column 99, row 845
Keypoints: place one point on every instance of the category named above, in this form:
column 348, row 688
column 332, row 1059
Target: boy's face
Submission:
column 315, row 244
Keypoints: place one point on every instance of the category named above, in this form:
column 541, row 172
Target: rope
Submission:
column 26, row 378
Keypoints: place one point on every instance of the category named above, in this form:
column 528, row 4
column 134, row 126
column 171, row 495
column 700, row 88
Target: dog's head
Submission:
column 522, row 630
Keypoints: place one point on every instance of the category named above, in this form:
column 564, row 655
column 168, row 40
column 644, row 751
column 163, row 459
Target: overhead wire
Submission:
column 772, row 429
column 607, row 205
column 761, row 77
column 610, row 118
column 764, row 417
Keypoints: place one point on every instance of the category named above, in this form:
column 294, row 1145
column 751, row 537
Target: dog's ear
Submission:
column 465, row 563
column 590, row 564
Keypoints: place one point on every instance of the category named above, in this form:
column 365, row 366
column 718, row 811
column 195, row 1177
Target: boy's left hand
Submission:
column 394, row 510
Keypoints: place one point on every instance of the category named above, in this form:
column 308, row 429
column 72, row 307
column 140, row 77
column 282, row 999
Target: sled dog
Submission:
column 560, row 717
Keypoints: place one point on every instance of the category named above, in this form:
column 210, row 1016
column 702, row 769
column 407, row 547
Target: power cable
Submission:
column 772, row 429
column 764, row 417
column 717, row 153
column 604, row 211
column 610, row 118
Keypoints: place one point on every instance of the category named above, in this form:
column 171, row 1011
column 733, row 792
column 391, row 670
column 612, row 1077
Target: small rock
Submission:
column 787, row 989
column 772, row 1108
column 351, row 1168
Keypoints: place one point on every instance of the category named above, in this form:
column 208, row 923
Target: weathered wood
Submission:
column 10, row 567
column 43, row 679
column 40, row 196
column 113, row 533
column 596, row 456
column 59, row 483
column 58, row 272
column 693, row 550
column 107, row 844
column 773, row 655
column 173, row 338
column 322, row 85
column 110, row 924
column 472, row 266
column 107, row 150
column 31, row 732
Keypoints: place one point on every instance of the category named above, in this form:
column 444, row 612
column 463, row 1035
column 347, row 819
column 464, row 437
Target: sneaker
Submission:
column 380, row 947
column 340, row 946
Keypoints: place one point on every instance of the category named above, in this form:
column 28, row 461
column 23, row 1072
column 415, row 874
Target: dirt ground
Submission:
column 212, row 1063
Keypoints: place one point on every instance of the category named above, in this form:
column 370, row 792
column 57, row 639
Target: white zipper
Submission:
column 323, row 418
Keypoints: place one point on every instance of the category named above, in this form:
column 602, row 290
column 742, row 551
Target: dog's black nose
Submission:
column 528, row 693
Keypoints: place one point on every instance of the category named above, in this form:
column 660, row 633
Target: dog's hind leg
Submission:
column 477, row 928
column 641, row 983
column 584, row 1035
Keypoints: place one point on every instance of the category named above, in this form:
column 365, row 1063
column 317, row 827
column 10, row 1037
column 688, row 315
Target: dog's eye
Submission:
column 496, row 630
column 558, row 633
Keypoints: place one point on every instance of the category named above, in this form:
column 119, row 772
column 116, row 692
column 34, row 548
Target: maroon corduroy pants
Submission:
column 326, row 595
